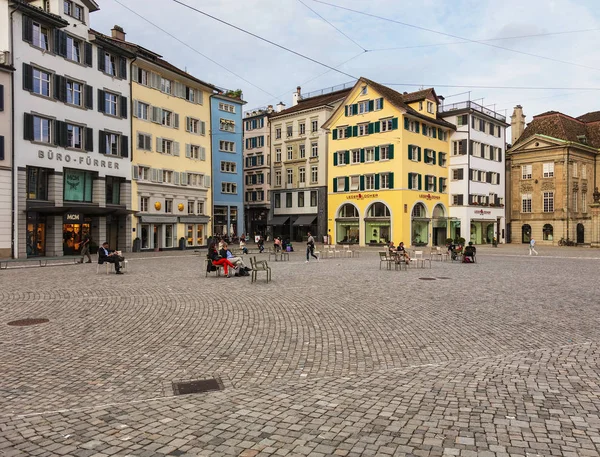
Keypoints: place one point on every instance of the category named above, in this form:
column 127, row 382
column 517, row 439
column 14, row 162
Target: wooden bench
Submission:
column 42, row 261
column 210, row 264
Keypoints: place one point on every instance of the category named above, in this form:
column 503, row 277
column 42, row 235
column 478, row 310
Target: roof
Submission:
column 314, row 102
column 560, row 126
column 419, row 95
column 593, row 116
column 53, row 19
column 150, row 56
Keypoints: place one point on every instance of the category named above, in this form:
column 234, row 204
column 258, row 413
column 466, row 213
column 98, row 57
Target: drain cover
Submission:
column 427, row 279
column 197, row 386
column 443, row 277
column 27, row 322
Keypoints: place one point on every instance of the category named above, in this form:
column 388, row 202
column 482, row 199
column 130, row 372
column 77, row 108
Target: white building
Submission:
column 477, row 173
column 72, row 132
column 6, row 221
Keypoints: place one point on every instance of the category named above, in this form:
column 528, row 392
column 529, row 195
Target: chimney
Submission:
column 296, row 97
column 270, row 109
column 118, row 33
column 517, row 123
column 279, row 107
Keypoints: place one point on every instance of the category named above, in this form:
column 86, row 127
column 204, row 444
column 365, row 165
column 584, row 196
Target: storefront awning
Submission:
column 158, row 219
column 194, row 219
column 279, row 220
column 87, row 210
column 305, row 219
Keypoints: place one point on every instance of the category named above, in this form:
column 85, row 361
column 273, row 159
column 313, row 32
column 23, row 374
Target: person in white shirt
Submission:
column 532, row 247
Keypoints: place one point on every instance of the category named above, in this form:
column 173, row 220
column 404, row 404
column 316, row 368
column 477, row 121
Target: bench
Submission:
column 42, row 261
column 217, row 271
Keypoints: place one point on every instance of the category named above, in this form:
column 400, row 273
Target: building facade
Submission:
column 553, row 169
column 227, row 165
column 72, row 129
column 171, row 152
column 299, row 166
column 477, row 173
column 6, row 188
column 388, row 168
column 257, row 170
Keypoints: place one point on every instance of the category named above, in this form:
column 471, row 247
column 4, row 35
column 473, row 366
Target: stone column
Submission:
column 21, row 208
column 595, row 210
column 54, row 236
column 125, row 222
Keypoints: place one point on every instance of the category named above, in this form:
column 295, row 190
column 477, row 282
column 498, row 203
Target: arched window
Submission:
column 526, row 233
column 378, row 210
column 419, row 211
column 439, row 212
column 548, row 232
column 348, row 210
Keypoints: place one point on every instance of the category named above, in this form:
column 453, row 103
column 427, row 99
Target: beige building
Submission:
column 299, row 164
column 6, row 180
column 551, row 175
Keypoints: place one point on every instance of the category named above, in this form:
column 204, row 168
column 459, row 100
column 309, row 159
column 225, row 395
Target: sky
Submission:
column 268, row 74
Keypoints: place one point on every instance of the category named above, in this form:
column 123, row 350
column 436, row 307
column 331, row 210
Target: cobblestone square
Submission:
column 331, row 358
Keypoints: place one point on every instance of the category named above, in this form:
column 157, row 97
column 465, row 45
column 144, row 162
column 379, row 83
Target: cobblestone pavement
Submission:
column 338, row 357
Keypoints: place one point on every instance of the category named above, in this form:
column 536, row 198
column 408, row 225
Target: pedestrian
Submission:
column 532, row 247
column 85, row 247
column 277, row 244
column 310, row 247
column 261, row 245
column 243, row 247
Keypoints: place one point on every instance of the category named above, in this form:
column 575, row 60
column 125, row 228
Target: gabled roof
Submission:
column 314, row 102
column 39, row 13
column 420, row 95
column 560, row 126
column 593, row 116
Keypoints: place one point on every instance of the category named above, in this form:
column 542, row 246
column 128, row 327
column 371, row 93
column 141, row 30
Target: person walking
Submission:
column 310, row 247
column 532, row 247
column 85, row 247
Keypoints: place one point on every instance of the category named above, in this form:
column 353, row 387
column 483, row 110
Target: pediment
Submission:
column 538, row 142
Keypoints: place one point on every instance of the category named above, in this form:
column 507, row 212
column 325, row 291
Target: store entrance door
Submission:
column 112, row 232
column 36, row 235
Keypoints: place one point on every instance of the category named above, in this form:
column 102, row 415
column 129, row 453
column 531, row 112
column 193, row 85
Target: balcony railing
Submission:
column 474, row 106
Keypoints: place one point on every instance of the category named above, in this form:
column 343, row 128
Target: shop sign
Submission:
column 79, row 159
column 430, row 197
column 361, row 196
column 481, row 212
column 73, row 218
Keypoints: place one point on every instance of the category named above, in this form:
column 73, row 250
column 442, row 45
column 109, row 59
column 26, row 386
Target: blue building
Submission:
column 227, row 165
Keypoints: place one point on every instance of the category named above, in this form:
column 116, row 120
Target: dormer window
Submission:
column 430, row 107
column 582, row 139
column 363, row 90
column 73, row 10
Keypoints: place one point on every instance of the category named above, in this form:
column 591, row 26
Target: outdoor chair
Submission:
column 109, row 265
column 420, row 259
column 348, row 252
column 384, row 257
column 259, row 265
column 438, row 254
column 336, row 252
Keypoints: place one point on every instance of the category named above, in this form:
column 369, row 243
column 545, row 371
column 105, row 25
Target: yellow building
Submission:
column 387, row 168
column 171, row 153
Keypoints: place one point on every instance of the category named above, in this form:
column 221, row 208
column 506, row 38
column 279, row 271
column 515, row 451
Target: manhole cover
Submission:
column 427, row 279
column 443, row 277
column 27, row 322
column 196, row 387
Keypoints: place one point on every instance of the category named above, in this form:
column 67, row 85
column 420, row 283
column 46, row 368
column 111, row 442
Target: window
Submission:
column 141, row 76
column 113, row 190
column 387, row 124
column 459, row 147
column 526, row 171
column 354, row 182
column 384, row 181
column 584, row 171
column 191, row 207
column 74, row 136
column 68, row 7
column 41, row 82
column 290, row 176
column 228, row 167
column 277, row 200
column 313, row 198
column 289, row 130
column 111, row 143
column 548, row 232
column 430, row 107
column 584, row 202
column 288, row 200
column 363, row 129
column 458, row 199
column 369, row 182
column 195, row 152
column 166, row 146
column 443, row 185
column 73, row 49
column 290, row 152
column 110, row 64
column 462, row 120
column 40, row 36
column 314, row 126
column 575, row 200
column 193, row 125
column 413, row 153
column 42, row 129
column 300, row 199
column 363, row 107
column 430, row 183
column 227, row 107
column 314, row 174
column 458, row 174
column 420, row 106
column 167, row 118
column 77, row 185
column 167, row 176
column 442, row 161
column 278, row 133
column 168, row 205
column 355, row 156
column 144, row 141
column 142, row 110
column 548, row 202
column 526, row 203
column 37, row 183
column 302, row 174
column 384, row 152
column 575, row 169
column 144, row 173
column 341, row 185
column 227, row 146
column 228, row 188
column 364, row 90
column 429, row 156
column 165, row 85
column 412, row 125
column 341, row 158
column 549, row 170
column 278, row 178
column 78, row 12
column 227, row 125
column 341, row 133
column 278, row 155
column 144, row 201
column 314, row 150
column 369, row 154
column 110, row 103
column 302, row 151
column 378, row 104
column 302, row 128
column 413, row 181
column 74, row 93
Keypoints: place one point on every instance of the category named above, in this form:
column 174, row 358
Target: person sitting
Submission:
column 243, row 245
column 108, row 256
column 469, row 253
column 391, row 246
column 277, row 244
column 402, row 254
column 216, row 260
column 261, row 245
column 238, row 262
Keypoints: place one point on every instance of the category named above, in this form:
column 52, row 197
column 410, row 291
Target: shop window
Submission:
column 113, row 190
column 77, row 185
column 37, row 183
column 548, row 232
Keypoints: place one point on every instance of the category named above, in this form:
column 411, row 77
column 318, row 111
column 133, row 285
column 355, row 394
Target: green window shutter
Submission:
column 440, row 157
column 395, row 123
column 417, row 124
column 362, row 182
column 433, row 156
column 362, row 155
column 376, row 181
column 391, row 151
column 419, row 153
column 441, row 186
column 410, row 152
column 434, row 132
column 406, row 123
column 377, row 127
column 348, row 132
column 335, row 184
column 424, row 129
column 334, row 134
column 410, row 180
column 434, row 184
column 371, row 128
column 335, row 159
column 371, row 105
column 440, row 134
column 346, row 184
column 347, row 157
column 346, row 110
column 419, row 187
column 355, row 108
column 391, row 180
column 376, row 153
column 425, row 158
column 355, row 130
column 381, row 102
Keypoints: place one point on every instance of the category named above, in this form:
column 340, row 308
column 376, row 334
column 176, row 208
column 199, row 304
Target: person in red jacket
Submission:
column 218, row 260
